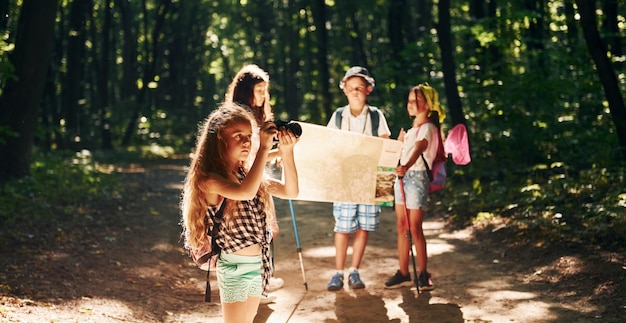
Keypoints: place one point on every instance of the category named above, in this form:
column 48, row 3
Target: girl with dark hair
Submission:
column 250, row 88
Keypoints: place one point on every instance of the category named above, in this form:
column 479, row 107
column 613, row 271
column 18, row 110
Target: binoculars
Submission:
column 295, row 127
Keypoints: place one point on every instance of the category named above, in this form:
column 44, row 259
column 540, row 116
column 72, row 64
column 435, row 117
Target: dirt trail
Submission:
column 127, row 265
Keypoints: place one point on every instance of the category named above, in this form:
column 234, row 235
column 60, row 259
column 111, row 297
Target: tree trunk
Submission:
column 103, row 79
column 319, row 16
column 611, row 28
column 455, row 107
column 20, row 100
column 128, row 88
column 395, row 20
column 151, row 56
column 495, row 54
column 606, row 73
column 424, row 18
column 359, row 55
column 75, row 75
column 477, row 9
column 472, row 44
column 185, row 66
column 291, row 64
column 395, row 31
column 536, row 32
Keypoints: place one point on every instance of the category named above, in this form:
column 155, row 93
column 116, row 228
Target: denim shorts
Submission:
column 416, row 185
column 350, row 217
column 238, row 277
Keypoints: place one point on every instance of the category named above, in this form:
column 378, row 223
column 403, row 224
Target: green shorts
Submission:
column 238, row 277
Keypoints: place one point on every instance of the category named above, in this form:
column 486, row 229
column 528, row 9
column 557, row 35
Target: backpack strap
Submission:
column 373, row 114
column 428, row 171
column 217, row 221
column 375, row 120
column 338, row 113
column 207, row 292
column 438, row 157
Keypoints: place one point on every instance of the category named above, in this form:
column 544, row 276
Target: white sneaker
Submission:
column 275, row 283
column 267, row 299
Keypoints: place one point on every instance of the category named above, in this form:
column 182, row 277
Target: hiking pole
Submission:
column 408, row 233
column 298, row 248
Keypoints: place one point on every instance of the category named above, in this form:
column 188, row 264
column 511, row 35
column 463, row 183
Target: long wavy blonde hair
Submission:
column 209, row 157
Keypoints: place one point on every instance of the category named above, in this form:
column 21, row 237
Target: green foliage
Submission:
column 62, row 187
column 544, row 145
column 135, row 154
column 550, row 203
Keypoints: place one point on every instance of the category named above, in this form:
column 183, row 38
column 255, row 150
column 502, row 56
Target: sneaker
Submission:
column 354, row 280
column 275, row 283
column 424, row 281
column 336, row 283
column 267, row 299
column 398, row 280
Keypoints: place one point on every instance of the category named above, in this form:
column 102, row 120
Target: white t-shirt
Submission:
column 361, row 123
column 426, row 131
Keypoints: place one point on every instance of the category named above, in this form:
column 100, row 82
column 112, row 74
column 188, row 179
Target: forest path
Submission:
column 129, row 266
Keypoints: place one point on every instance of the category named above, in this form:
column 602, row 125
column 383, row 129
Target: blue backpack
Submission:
column 373, row 112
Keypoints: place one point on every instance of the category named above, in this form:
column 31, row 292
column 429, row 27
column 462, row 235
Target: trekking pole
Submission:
column 408, row 232
column 298, row 248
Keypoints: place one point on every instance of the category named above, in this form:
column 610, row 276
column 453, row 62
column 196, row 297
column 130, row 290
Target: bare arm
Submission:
column 420, row 147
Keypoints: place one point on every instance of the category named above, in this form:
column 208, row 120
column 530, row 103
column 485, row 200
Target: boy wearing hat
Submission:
column 356, row 219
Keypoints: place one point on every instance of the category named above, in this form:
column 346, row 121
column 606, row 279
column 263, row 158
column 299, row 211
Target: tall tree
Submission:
column 605, row 70
column 102, row 67
column 359, row 54
column 611, row 27
column 186, row 80
column 535, row 14
column 291, row 58
column 152, row 55
column 20, row 98
column 492, row 13
column 129, row 76
column 455, row 106
column 73, row 84
column 424, row 19
column 395, row 21
column 319, row 17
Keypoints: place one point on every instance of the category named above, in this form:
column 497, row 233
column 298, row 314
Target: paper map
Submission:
column 341, row 166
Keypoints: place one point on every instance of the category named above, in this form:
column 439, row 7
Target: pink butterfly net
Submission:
column 457, row 144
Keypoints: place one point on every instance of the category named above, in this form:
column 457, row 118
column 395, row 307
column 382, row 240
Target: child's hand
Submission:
column 400, row 170
column 286, row 140
column 267, row 133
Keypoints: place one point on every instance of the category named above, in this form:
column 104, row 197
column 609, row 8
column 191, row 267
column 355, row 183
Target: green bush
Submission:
column 546, row 202
column 61, row 187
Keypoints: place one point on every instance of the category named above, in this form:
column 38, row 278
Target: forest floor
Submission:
column 125, row 263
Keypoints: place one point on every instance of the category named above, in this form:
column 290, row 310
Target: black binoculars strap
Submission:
column 207, row 294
